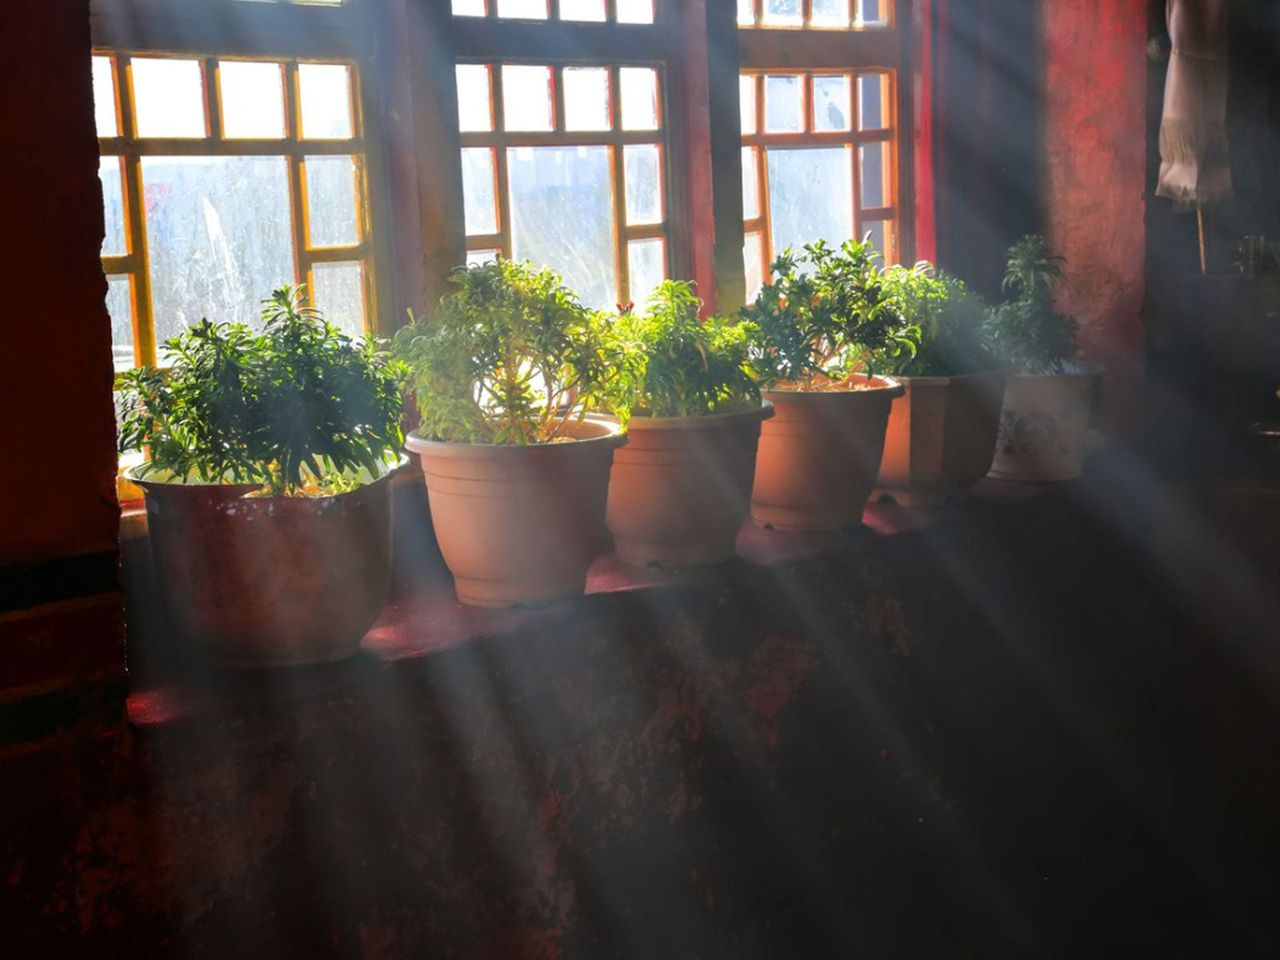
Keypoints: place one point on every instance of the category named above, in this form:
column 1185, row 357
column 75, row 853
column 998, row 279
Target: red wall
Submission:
column 57, row 481
column 1095, row 133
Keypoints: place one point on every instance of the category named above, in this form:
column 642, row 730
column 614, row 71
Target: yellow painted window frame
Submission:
column 616, row 139
column 131, row 148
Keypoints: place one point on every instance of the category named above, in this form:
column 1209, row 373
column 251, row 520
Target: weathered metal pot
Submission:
column 267, row 580
column 519, row 524
column 820, row 454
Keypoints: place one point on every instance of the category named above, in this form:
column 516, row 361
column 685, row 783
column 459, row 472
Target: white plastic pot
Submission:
column 1044, row 426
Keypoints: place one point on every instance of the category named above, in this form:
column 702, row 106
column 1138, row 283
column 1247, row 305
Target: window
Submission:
column 564, row 166
column 583, row 11
column 817, row 163
column 813, row 14
column 824, row 128
column 224, row 178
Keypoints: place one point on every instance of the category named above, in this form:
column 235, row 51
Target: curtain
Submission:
column 1194, row 163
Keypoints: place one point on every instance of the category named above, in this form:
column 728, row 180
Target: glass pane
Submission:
column 562, row 216
column 523, row 9
column 639, row 98
column 746, row 13
column 830, row 13
column 120, row 310
column 781, row 11
column 870, row 12
column 475, row 111
column 873, row 94
column 339, row 294
column 468, row 8
column 110, row 173
column 747, row 102
column 646, row 260
column 872, row 159
column 831, row 104
column 476, row 257
column 644, row 182
column 591, row 10
column 526, row 97
column 478, row 200
column 324, row 97
column 104, row 98
column 586, row 98
column 331, row 201
column 810, row 196
column 753, row 264
column 881, row 234
column 634, row 11
column 750, row 184
column 782, row 112
column 168, row 98
column 220, row 237
column 252, row 99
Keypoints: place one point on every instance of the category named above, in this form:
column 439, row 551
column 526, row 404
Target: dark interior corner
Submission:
column 1036, row 720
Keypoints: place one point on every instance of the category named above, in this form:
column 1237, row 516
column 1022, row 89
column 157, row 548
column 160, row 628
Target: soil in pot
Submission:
column 941, row 437
column 820, row 454
column 267, row 580
column 1044, row 426
column 519, row 524
column 680, row 489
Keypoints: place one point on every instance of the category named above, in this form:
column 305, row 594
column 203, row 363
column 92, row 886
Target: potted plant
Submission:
column 516, row 476
column 820, row 453
column 680, row 488
column 1044, row 425
column 266, row 483
column 942, row 431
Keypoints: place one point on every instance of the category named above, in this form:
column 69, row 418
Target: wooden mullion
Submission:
column 904, row 185
column 363, row 185
column 826, row 138
column 358, row 251
column 766, row 214
column 484, row 241
column 806, row 101
column 297, row 183
column 753, row 225
column 211, row 79
column 144, row 335
column 645, row 231
column 561, row 138
column 204, row 147
column 119, row 264
column 621, row 259
column 806, row 13
column 611, row 11
column 789, row 50
column 499, row 154
column 557, row 98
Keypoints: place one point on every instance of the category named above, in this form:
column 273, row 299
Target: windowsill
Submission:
column 425, row 618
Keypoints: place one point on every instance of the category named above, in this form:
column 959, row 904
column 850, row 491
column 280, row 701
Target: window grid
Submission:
column 758, row 140
column 131, row 148
column 498, row 140
column 488, row 10
column 857, row 15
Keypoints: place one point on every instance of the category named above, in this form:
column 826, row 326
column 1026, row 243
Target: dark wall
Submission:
column 60, row 616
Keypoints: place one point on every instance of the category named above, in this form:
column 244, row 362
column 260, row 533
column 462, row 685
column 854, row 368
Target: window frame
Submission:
column 808, row 50
column 290, row 34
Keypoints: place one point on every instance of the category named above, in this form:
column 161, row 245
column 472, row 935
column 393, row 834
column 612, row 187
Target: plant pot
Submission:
column 519, row 524
column 820, row 455
column 941, row 437
column 270, row 581
column 680, row 489
column 1044, row 426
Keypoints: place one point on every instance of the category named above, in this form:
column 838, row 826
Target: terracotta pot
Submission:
column 680, row 489
column 1044, row 426
column 519, row 525
column 270, row 581
column 820, row 455
column 941, row 437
